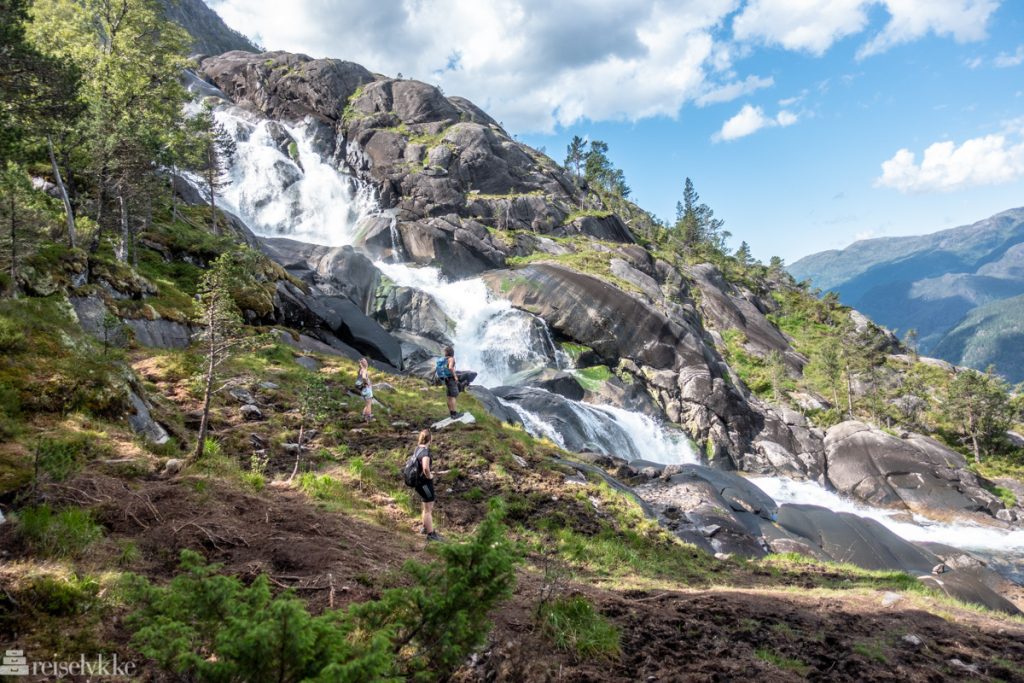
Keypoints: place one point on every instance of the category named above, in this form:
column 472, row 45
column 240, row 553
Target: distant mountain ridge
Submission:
column 209, row 32
column 962, row 289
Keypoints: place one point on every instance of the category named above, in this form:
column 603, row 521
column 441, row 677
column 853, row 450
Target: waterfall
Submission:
column 499, row 341
column 281, row 187
column 989, row 542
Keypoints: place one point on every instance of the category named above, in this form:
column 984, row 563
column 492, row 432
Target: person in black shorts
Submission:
column 456, row 382
column 425, row 486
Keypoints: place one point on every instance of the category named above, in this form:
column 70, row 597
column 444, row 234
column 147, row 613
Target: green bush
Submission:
column 58, row 534
column 11, row 338
column 207, row 627
column 61, row 457
column 575, row 626
column 63, row 597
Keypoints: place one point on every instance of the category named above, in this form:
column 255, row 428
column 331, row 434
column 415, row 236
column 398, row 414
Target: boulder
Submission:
column 331, row 271
column 916, row 473
column 590, row 311
column 160, row 333
column 495, row 406
column 142, row 423
column 416, row 312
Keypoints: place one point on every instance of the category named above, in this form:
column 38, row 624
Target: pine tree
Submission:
column 576, row 153
column 222, row 330
column 215, row 150
column 743, row 256
column 979, row 404
column 131, row 58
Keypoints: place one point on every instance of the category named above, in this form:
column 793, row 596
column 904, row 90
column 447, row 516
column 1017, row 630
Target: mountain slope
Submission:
column 933, row 283
column 209, row 32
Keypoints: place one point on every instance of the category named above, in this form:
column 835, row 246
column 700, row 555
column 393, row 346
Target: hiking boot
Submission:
column 434, row 536
column 452, row 414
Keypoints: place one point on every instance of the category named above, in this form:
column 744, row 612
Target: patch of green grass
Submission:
column 62, row 596
column 838, row 574
column 1008, row 497
column 781, row 661
column 871, row 650
column 586, row 213
column 593, row 377
column 624, row 552
column 573, row 625
column 588, row 256
column 58, row 534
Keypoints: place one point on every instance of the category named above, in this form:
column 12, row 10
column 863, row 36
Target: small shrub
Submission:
column 254, row 481
column 62, row 597
column 207, row 627
column 62, row 534
column 60, row 458
column 575, row 626
column 129, row 553
column 11, row 338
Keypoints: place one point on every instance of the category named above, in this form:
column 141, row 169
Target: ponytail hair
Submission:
column 425, row 437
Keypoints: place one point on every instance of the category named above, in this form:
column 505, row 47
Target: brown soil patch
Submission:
column 723, row 635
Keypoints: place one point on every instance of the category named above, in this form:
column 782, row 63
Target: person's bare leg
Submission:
column 428, row 518
column 368, row 410
column 451, row 404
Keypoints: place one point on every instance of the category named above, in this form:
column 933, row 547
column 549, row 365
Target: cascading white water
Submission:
column 302, row 198
column 982, row 539
column 498, row 340
column 491, row 337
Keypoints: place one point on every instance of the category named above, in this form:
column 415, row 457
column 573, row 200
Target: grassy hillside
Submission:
column 600, row 590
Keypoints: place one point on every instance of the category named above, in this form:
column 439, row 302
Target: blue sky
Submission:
column 783, row 112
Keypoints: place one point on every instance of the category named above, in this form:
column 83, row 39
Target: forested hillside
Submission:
column 952, row 291
column 197, row 254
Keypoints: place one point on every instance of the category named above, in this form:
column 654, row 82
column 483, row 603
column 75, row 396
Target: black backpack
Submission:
column 411, row 472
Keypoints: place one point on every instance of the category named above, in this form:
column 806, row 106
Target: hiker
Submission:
column 454, row 381
column 365, row 387
column 425, row 484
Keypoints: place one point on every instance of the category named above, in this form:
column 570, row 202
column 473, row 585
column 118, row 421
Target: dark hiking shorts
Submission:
column 426, row 490
column 451, row 386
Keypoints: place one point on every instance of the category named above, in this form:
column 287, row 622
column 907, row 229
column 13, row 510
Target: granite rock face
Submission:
column 916, row 473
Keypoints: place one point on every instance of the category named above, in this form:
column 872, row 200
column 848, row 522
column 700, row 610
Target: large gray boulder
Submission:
column 591, row 311
column 916, row 473
column 332, row 271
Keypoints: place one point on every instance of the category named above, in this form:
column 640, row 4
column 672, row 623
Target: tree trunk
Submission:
column 14, row 248
column 122, row 247
column 174, row 195
column 849, row 393
column 101, row 197
column 211, row 179
column 208, row 390
column 68, row 211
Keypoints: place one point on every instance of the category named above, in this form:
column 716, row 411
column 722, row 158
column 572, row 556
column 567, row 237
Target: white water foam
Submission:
column 308, row 200
column 490, row 336
column 497, row 340
column 922, row 529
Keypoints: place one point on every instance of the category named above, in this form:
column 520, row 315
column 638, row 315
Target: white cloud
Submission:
column 730, row 91
column 806, row 25
column 988, row 160
column 751, row 119
column 964, row 20
column 533, row 64
column 1005, row 60
column 813, row 26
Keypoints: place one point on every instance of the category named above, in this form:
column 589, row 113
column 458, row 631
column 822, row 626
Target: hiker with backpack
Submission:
column 365, row 387
column 419, row 475
column 454, row 381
